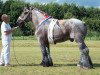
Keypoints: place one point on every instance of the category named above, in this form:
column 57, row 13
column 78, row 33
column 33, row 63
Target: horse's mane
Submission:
column 41, row 11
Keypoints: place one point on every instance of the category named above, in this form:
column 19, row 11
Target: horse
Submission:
column 67, row 29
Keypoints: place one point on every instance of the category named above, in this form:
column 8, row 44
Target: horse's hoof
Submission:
column 44, row 65
column 51, row 64
column 84, row 67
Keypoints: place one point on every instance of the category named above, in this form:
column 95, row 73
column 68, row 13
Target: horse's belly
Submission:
column 58, row 35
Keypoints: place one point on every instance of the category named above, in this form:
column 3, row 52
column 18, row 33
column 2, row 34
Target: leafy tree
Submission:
column 68, row 15
column 1, row 5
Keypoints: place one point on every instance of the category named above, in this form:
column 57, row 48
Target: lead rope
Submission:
column 15, row 57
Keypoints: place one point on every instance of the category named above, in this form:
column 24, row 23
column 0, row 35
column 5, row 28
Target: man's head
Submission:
column 5, row 18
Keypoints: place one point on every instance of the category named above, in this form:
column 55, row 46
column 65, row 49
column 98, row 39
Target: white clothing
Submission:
column 6, row 39
column 5, row 27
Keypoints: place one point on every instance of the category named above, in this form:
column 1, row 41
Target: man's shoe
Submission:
column 1, row 64
column 7, row 65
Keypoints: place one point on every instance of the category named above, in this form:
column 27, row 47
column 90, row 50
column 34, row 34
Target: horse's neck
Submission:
column 35, row 22
column 37, row 19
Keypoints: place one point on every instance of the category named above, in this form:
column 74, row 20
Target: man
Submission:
column 6, row 34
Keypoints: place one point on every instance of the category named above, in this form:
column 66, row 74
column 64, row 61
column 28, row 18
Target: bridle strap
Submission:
column 20, row 18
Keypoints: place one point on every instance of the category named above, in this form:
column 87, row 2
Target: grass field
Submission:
column 65, row 57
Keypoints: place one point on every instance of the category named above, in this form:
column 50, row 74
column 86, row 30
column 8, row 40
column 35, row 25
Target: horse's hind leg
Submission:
column 46, row 58
column 85, row 60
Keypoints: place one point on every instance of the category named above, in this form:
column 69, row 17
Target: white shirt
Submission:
column 5, row 27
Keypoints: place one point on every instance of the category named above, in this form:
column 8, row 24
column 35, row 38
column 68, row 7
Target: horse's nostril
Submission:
column 16, row 23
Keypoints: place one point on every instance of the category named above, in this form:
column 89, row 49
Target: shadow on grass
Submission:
column 62, row 65
column 55, row 65
column 96, row 64
column 27, row 64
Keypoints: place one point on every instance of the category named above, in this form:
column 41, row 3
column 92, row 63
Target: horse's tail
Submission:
column 85, row 29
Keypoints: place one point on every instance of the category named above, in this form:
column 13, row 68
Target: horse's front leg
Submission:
column 46, row 58
column 48, row 53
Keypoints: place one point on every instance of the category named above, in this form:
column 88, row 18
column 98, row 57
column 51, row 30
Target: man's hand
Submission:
column 14, row 28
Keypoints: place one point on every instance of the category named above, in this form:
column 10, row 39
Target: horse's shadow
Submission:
column 27, row 64
column 55, row 65
column 96, row 64
column 62, row 65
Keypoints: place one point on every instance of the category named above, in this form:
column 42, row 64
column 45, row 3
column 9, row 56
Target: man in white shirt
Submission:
column 6, row 34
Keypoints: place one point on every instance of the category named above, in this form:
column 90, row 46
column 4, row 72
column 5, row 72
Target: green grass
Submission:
column 65, row 57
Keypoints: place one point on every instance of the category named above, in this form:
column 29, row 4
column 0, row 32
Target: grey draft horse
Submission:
column 67, row 29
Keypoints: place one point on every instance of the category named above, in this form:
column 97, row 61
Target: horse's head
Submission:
column 25, row 16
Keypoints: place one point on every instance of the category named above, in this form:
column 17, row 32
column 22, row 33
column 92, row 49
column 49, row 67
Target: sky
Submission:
column 93, row 3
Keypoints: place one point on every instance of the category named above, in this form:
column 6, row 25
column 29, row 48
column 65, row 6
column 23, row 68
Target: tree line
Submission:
column 90, row 15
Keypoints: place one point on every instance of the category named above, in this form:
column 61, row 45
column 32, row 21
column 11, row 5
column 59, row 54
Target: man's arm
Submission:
column 10, row 31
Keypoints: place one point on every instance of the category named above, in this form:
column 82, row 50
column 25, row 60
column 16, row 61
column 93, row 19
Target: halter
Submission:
column 20, row 18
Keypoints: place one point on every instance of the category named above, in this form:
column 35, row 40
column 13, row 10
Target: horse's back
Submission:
column 76, row 20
